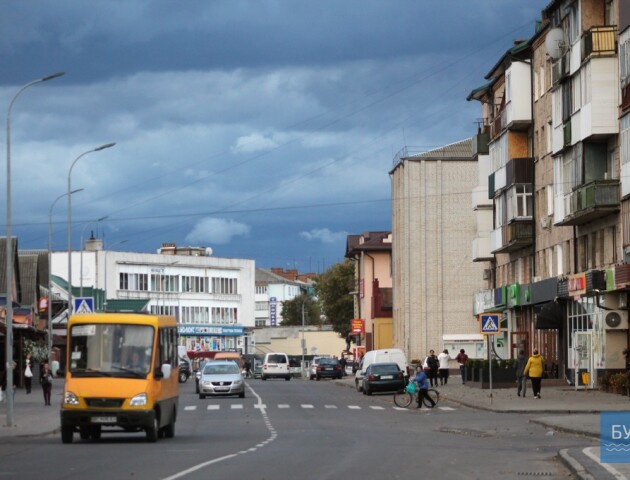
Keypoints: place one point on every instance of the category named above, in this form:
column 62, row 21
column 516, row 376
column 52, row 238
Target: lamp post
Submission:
column 97, row 149
column 49, row 307
column 303, row 341
column 105, row 275
column 9, row 252
column 82, row 248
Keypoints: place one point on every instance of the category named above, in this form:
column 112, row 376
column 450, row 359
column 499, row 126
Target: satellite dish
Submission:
column 208, row 252
column 554, row 42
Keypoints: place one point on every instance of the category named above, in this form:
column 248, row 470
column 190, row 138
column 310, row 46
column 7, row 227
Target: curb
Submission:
column 558, row 428
column 572, row 464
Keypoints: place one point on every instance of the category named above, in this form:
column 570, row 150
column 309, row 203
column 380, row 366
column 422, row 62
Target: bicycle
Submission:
column 405, row 398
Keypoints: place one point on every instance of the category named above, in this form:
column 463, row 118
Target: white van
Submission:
column 276, row 365
column 385, row 355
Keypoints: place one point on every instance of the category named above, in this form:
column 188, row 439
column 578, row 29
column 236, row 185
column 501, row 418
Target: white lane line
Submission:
column 262, row 405
column 273, row 434
column 446, row 408
column 306, row 405
column 214, row 407
column 284, row 405
column 376, row 407
column 354, row 407
column 190, row 408
column 590, row 452
column 237, row 406
column 330, row 406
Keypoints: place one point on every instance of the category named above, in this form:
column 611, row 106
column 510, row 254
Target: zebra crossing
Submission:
column 304, row 406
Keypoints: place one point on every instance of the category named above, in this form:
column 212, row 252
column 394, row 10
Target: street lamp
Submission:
column 82, row 248
column 97, row 149
column 9, row 252
column 50, row 331
column 105, row 275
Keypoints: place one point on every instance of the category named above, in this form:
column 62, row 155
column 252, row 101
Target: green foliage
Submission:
column 292, row 311
column 333, row 289
column 37, row 349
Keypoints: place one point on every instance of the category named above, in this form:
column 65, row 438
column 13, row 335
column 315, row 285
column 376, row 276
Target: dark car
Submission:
column 328, row 368
column 383, row 377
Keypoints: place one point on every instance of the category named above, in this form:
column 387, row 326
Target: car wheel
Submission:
column 288, row 378
column 202, row 396
column 367, row 391
column 169, row 430
column 152, row 431
column 241, row 395
column 262, row 377
column 318, row 378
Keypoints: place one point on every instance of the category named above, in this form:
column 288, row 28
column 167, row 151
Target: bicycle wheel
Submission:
column 432, row 398
column 402, row 399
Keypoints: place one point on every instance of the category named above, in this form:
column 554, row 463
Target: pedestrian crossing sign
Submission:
column 490, row 323
column 84, row 305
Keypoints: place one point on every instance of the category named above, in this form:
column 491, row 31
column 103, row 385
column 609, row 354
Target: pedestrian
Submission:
column 462, row 358
column 443, row 358
column 423, row 386
column 46, row 379
column 431, row 365
column 344, row 363
column 534, row 370
column 248, row 368
column 521, row 378
column 28, row 374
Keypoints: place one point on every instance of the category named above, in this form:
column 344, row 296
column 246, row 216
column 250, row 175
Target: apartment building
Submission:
column 559, row 276
column 433, row 275
column 272, row 290
column 371, row 253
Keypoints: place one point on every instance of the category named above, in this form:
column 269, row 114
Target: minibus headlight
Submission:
column 139, row 400
column 70, row 398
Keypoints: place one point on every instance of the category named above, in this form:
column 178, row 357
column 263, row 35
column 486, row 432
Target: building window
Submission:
column 261, row 322
column 224, row 285
column 261, row 289
column 164, row 283
column 262, row 306
column 195, row 284
column 134, row 281
column 224, row 315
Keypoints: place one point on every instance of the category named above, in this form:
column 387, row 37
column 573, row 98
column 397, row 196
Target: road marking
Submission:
column 376, row 407
column 330, row 406
column 306, row 405
column 260, row 405
column 446, row 408
column 354, row 407
column 190, row 407
column 238, row 406
column 214, row 407
column 284, row 405
column 590, row 452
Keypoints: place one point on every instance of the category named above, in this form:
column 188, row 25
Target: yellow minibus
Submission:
column 121, row 375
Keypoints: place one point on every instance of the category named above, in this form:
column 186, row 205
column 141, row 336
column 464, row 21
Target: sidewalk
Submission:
column 561, row 408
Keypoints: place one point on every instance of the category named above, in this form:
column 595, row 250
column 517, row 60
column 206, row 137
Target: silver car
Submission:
column 312, row 371
column 221, row 378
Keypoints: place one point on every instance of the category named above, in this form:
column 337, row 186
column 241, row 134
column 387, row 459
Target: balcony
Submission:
column 599, row 42
column 496, row 127
column 512, row 237
column 592, row 201
column 480, row 144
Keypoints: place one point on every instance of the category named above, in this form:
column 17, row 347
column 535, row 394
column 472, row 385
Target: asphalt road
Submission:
column 305, row 430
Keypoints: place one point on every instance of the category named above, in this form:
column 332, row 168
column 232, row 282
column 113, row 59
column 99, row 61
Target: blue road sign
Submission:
column 490, row 323
column 84, row 305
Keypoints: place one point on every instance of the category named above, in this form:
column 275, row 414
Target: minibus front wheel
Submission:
column 152, row 431
column 67, row 434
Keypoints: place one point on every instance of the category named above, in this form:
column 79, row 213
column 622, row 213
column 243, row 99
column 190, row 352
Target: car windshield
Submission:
column 328, row 361
column 220, row 369
column 276, row 359
column 111, row 350
column 386, row 368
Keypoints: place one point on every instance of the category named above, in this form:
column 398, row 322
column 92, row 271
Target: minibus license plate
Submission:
column 103, row 419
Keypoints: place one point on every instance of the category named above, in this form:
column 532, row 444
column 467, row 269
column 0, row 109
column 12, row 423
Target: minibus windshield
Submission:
column 111, row 350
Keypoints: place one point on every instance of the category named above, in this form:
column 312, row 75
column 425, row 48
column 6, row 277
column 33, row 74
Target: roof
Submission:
column 264, row 276
column 28, row 279
column 455, row 151
column 127, row 305
column 368, row 241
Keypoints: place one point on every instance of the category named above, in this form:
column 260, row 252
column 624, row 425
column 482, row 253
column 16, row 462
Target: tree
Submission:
column 292, row 311
column 333, row 289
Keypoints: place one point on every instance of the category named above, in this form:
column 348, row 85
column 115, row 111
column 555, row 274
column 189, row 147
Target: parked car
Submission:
column 185, row 370
column 386, row 355
column 328, row 368
column 383, row 377
column 312, row 371
column 221, row 378
column 276, row 365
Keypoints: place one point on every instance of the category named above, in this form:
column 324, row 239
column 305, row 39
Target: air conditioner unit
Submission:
column 616, row 320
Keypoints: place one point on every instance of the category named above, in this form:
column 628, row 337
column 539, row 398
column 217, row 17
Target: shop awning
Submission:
column 550, row 316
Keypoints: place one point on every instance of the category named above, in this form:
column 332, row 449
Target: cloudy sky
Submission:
column 262, row 129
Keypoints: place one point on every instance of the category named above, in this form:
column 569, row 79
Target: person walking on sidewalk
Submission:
column 431, row 365
column 462, row 358
column 521, row 378
column 28, row 374
column 443, row 358
column 534, row 370
column 46, row 379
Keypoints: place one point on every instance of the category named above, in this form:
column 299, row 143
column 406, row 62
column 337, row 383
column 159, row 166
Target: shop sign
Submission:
column 220, row 330
column 577, row 284
column 357, row 325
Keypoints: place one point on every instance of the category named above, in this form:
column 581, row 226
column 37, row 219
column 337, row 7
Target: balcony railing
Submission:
column 599, row 42
column 515, row 236
column 592, row 200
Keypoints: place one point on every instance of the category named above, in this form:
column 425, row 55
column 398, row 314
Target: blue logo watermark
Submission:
column 614, row 437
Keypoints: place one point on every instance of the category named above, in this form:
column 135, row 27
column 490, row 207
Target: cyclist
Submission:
column 423, row 387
